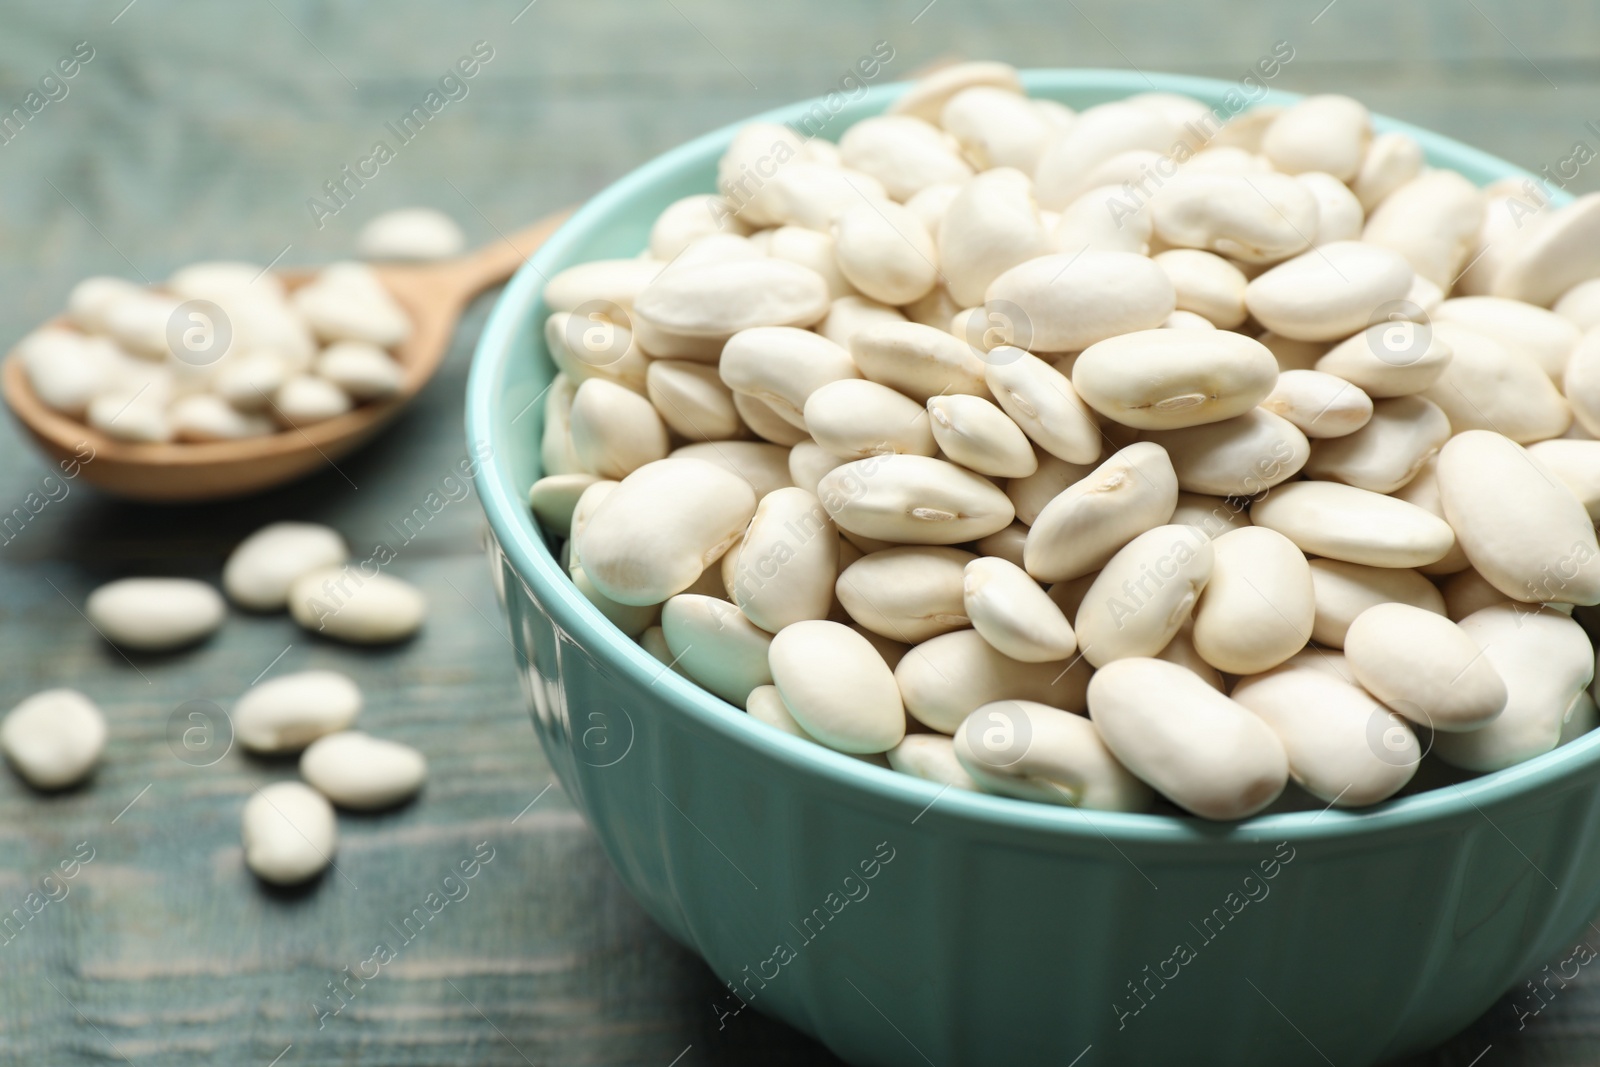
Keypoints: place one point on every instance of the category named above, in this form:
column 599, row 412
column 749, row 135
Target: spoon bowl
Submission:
column 433, row 296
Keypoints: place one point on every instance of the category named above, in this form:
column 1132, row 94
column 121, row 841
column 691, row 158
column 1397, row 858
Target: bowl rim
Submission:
column 512, row 524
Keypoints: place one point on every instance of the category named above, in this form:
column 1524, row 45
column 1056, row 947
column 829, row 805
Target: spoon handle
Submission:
column 498, row 260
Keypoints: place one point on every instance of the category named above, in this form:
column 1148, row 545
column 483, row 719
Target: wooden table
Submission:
column 201, row 132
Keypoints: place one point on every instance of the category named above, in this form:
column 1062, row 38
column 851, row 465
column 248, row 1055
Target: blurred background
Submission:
column 201, row 131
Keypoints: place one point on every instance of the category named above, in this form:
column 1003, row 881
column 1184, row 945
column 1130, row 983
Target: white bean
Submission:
column 1099, row 133
column 1390, row 358
column 1032, row 751
column 1344, row 590
column 854, row 418
column 1088, row 522
column 1212, row 515
column 54, row 739
column 289, row 833
column 787, row 562
column 1030, row 494
column 360, row 772
column 355, row 607
column 782, row 366
column 1292, row 354
column 1251, row 218
column 1339, row 214
column 1425, row 667
column 260, row 569
column 928, row 95
column 1200, row 749
column 1144, row 594
column 66, row 369
column 1392, row 160
column 1102, row 220
column 1522, row 529
column 808, row 462
column 1385, row 454
column 813, row 249
column 991, row 225
column 765, row 422
column 1344, row 747
column 204, row 417
column 947, row 678
column 1581, row 382
column 683, row 222
column 913, row 500
column 603, row 281
column 692, row 400
column 593, row 345
column 909, row 593
column 1044, row 404
column 1468, row 591
column 1545, row 336
column 1063, row 303
column 918, row 360
column 1432, row 221
column 1580, row 305
column 996, row 127
column 1206, row 284
column 365, row 372
column 885, row 251
column 155, row 614
column 848, row 315
column 1259, row 607
column 1329, row 293
column 976, row 434
column 347, row 302
column 1237, row 457
column 662, row 527
column 716, row 645
column 1557, row 251
column 1170, row 379
column 287, row 713
column 906, row 154
column 1546, row 662
column 813, row 195
column 416, row 233
column 1320, row 405
column 1355, row 525
column 930, row 204
column 714, row 301
column 744, row 173
column 615, row 431
column 91, row 298
column 1576, row 465
column 931, row 757
column 1007, row 544
column 1011, row 612
column 1181, row 650
column 303, row 400
column 837, row 687
column 763, row 466
column 765, row 704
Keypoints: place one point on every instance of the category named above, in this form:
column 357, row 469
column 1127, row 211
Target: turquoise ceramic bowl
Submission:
column 906, row 925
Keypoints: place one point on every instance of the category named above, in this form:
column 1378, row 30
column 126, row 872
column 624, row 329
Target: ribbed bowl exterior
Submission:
column 903, row 924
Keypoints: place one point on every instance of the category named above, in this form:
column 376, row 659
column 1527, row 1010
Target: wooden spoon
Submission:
column 433, row 294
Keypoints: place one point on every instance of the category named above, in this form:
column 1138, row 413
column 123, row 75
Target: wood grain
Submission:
column 201, row 132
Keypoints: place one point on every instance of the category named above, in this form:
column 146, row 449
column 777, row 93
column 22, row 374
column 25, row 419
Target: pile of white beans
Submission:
column 224, row 351
column 55, row 739
column 1088, row 457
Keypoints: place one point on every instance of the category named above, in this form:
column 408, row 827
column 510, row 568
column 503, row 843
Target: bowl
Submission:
column 906, row 924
